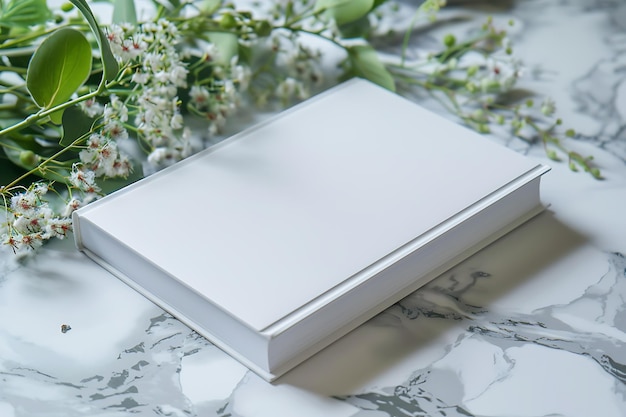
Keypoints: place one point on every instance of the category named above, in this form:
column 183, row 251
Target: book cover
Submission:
column 280, row 239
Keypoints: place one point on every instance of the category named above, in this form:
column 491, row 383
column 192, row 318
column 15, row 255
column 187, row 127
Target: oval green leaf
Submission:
column 124, row 12
column 345, row 11
column 227, row 45
column 59, row 66
column 75, row 124
column 109, row 63
column 365, row 63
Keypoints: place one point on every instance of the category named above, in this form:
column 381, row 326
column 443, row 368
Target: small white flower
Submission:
column 140, row 77
column 24, row 202
column 58, row 228
column 287, row 88
column 71, row 206
column 211, row 52
column 199, row 96
column 178, row 75
column 92, row 108
column 176, row 122
column 84, row 180
column 241, row 75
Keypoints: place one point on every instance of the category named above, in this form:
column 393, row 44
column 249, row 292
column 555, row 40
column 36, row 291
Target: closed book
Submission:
column 279, row 240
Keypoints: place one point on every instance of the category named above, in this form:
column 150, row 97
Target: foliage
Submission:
column 87, row 109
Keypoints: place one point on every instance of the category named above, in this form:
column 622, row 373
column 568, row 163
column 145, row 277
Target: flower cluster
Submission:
column 101, row 154
column 218, row 81
column 30, row 220
column 149, row 52
column 302, row 69
column 208, row 59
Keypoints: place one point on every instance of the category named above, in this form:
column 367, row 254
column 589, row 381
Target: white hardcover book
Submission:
column 281, row 239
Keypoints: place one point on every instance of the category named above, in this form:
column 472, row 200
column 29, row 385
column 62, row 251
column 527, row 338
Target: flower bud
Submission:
column 449, row 40
column 228, row 21
column 263, row 28
column 28, row 158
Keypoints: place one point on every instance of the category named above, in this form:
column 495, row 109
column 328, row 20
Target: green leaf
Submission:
column 59, row 66
column 227, row 45
column 24, row 13
column 210, row 6
column 358, row 29
column 108, row 60
column 124, row 11
column 57, row 117
column 75, row 124
column 345, row 11
column 365, row 63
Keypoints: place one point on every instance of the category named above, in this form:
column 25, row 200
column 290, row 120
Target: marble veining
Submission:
column 556, row 330
column 534, row 325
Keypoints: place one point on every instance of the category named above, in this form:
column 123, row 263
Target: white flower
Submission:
column 71, row 206
column 118, row 107
column 115, row 130
column 176, row 122
column 199, row 96
column 162, row 157
column 211, row 52
column 241, row 75
column 92, row 108
column 58, row 228
column 504, row 73
column 287, row 88
column 24, row 202
column 84, row 180
column 178, row 75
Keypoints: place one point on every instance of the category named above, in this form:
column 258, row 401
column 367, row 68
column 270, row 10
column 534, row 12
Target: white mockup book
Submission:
column 281, row 239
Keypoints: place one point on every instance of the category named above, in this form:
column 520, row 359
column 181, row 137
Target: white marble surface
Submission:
column 535, row 325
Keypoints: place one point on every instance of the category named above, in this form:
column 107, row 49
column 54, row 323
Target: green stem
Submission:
column 43, row 163
column 34, row 118
column 314, row 33
column 30, row 36
column 17, row 70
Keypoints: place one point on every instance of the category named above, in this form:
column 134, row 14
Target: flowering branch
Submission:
column 75, row 125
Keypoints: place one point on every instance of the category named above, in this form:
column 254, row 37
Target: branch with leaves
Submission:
column 87, row 109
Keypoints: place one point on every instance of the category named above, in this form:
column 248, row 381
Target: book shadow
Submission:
column 421, row 328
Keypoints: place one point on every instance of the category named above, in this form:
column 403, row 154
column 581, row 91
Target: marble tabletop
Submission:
column 533, row 325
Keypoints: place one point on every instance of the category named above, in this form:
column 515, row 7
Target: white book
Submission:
column 281, row 239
